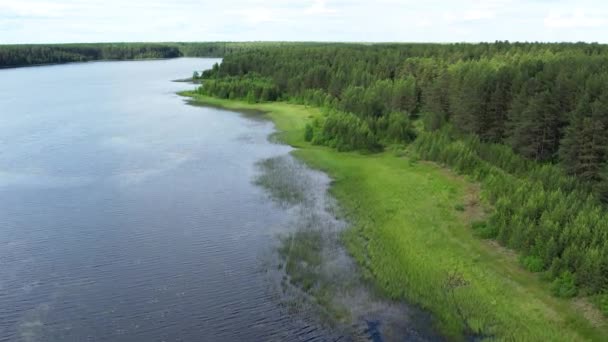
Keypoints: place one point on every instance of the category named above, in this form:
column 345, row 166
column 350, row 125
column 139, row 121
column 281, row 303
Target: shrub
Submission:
column 564, row 286
column 532, row 263
column 308, row 132
column 601, row 301
column 484, row 230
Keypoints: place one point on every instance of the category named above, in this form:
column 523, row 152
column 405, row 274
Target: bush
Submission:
column 399, row 128
column 532, row 263
column 484, row 230
column 601, row 301
column 308, row 132
column 346, row 132
column 564, row 286
column 433, row 121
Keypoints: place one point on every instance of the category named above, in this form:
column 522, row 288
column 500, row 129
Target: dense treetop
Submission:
column 549, row 102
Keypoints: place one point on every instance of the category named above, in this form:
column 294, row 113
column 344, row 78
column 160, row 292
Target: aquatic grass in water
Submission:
column 278, row 178
column 319, row 280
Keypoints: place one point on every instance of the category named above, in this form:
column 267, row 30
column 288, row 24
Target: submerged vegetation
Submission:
column 278, row 178
column 310, row 242
column 318, row 279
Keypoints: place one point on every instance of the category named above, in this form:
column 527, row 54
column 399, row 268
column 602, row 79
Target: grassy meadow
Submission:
column 411, row 234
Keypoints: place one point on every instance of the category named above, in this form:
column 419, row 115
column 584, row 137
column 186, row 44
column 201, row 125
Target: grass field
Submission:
column 411, row 235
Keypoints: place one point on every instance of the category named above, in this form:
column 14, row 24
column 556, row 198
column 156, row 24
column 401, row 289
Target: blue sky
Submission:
column 46, row 21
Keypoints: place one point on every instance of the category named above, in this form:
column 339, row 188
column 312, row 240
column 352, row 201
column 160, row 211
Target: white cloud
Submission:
column 577, row 19
column 32, row 8
column 423, row 22
column 258, row 15
column 320, row 7
column 478, row 14
column 27, row 21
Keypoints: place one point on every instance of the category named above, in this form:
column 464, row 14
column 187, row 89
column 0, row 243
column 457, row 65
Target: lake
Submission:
column 128, row 215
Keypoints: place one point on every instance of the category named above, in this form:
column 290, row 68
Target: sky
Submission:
column 61, row 21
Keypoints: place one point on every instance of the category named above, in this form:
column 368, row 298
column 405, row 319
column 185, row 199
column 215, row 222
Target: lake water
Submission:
column 128, row 215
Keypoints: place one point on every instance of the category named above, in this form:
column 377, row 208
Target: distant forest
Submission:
column 526, row 120
column 39, row 54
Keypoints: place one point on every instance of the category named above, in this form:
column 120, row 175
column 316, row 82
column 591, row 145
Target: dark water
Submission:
column 127, row 215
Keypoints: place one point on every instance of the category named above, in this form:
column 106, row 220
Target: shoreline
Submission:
column 390, row 199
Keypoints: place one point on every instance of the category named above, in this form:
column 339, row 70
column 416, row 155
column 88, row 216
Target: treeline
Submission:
column 23, row 55
column 39, row 54
column 221, row 49
column 527, row 120
column 252, row 87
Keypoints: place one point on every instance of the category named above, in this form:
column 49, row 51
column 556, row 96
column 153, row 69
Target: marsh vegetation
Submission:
column 317, row 275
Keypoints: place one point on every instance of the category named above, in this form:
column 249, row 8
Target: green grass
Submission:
column 412, row 240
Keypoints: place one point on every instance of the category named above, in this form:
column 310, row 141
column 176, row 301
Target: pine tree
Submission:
column 585, row 145
column 602, row 185
column 537, row 129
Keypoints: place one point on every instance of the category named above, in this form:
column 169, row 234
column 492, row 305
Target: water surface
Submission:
column 128, row 215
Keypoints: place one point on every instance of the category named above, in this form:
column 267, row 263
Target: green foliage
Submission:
column 601, row 302
column 398, row 127
column 37, row 54
column 547, row 102
column 22, row 55
column 434, row 120
column 585, row 148
column 346, row 132
column 308, row 132
column 564, row 286
column 532, row 263
column 556, row 222
column 527, row 121
column 602, row 186
column 251, row 88
column 483, row 230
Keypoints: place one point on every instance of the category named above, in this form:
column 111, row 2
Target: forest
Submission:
column 525, row 120
column 24, row 55
column 40, row 54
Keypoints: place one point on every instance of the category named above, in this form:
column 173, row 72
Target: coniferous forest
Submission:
column 24, row 55
column 39, row 54
column 526, row 120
